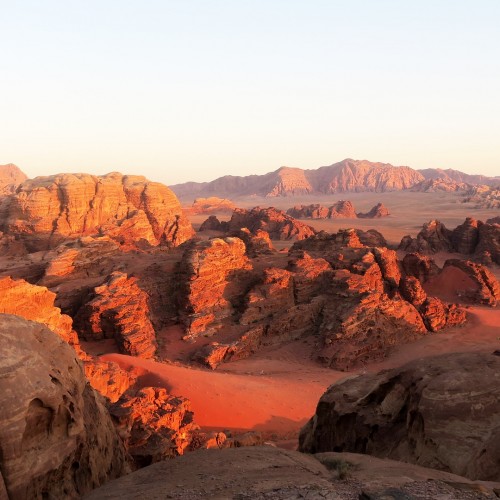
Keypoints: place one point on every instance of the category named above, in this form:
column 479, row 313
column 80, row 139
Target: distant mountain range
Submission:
column 345, row 176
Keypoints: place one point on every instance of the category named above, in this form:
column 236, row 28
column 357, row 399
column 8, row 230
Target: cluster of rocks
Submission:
column 476, row 238
column 343, row 209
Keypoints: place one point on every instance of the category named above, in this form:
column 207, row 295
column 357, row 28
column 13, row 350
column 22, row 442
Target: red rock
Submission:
column 379, row 210
column 46, row 210
column 210, row 205
column 488, row 288
column 10, row 178
column 419, row 266
column 35, row 303
column 206, row 270
column 258, row 243
column 119, row 310
column 343, row 209
column 434, row 237
column 275, row 222
column 412, row 291
column 438, row 315
column 315, row 211
column 464, row 238
column 212, row 224
column 153, row 424
column 57, row 438
column 440, row 185
column 371, row 238
column 410, row 414
column 488, row 247
column 389, row 265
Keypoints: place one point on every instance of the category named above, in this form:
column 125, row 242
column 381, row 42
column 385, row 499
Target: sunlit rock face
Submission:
column 10, row 178
column 441, row 412
column 46, row 210
column 56, row 437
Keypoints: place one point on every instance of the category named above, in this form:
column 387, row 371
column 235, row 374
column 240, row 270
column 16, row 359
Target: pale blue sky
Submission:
column 183, row 90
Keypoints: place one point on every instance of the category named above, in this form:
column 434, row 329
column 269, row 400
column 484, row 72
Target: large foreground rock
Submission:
column 56, row 437
column 441, row 412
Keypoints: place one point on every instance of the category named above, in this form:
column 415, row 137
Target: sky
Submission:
column 190, row 90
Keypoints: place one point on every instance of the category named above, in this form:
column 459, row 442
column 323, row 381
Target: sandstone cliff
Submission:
column 56, row 436
column 46, row 210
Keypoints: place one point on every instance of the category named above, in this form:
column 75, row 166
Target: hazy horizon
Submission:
column 192, row 91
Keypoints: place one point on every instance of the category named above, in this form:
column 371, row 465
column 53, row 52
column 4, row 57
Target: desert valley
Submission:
column 324, row 333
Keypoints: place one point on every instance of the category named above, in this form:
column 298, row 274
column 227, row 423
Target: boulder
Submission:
column 56, row 436
column 441, row 412
column 376, row 212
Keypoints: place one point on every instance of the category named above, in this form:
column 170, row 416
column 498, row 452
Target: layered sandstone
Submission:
column 410, row 414
column 207, row 270
column 343, row 209
column 57, row 438
column 210, row 205
column 46, row 210
column 257, row 243
column 153, row 424
column 119, row 310
column 276, row 223
column 35, row 303
column 434, row 237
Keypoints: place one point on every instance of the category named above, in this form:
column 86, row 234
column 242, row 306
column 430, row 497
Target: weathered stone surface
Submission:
column 46, row 210
column 153, row 424
column 376, row 212
column 412, row 291
column 410, row 414
column 464, row 238
column 119, row 310
column 212, row 224
column 420, row 266
column 389, row 265
column 35, row 303
column 279, row 225
column 434, row 237
column 310, row 276
column 438, row 315
column 56, row 436
column 206, row 270
column 10, row 178
column 488, row 247
column 488, row 288
column 313, row 211
column 371, row 238
column 258, row 243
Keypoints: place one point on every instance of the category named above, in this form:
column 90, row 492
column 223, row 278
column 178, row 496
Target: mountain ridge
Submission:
column 345, row 176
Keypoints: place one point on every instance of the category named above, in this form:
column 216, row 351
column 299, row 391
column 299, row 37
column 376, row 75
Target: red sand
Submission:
column 278, row 389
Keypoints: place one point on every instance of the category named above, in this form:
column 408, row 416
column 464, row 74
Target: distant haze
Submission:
column 191, row 91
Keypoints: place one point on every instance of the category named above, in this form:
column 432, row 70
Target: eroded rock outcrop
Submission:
column 35, row 303
column 10, row 178
column 487, row 289
column 207, row 271
column 56, row 436
column 419, row 266
column 258, row 243
column 119, row 310
column 210, row 205
column 410, row 414
column 376, row 212
column 434, row 237
column 279, row 225
column 153, row 424
column 212, row 224
column 46, row 210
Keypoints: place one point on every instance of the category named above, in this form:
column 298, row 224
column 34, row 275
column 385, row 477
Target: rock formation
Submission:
column 342, row 209
column 279, row 225
column 35, row 303
column 207, row 270
column 484, row 196
column 410, row 414
column 419, row 266
column 153, row 424
column 487, row 289
column 475, row 238
column 210, row 205
column 46, row 210
column 434, row 237
column 440, row 185
column 258, row 243
column 347, row 175
column 56, row 436
column 119, row 310
column 378, row 211
column 213, row 224
column 10, row 178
